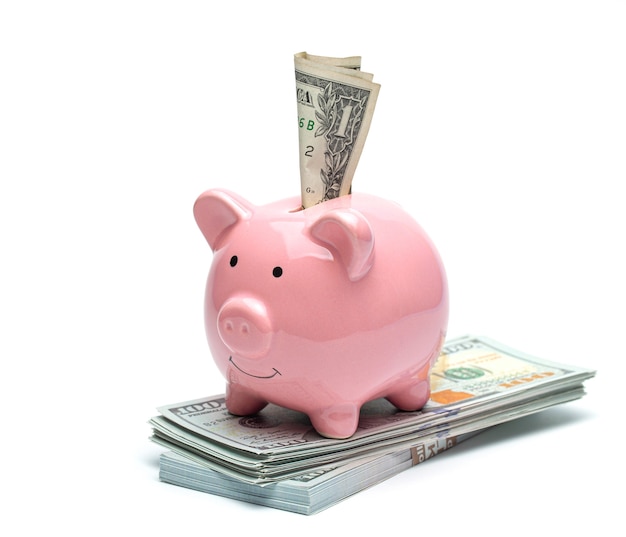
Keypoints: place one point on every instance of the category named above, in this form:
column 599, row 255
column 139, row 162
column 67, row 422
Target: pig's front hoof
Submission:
column 339, row 421
column 411, row 398
column 242, row 403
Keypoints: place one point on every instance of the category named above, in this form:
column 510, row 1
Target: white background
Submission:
column 501, row 126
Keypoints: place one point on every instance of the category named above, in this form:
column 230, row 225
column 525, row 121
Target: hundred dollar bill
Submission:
column 336, row 102
column 476, row 383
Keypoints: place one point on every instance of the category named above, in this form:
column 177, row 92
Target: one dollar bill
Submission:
column 336, row 102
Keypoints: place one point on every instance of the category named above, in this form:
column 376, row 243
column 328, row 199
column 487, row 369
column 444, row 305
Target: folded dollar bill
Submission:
column 336, row 102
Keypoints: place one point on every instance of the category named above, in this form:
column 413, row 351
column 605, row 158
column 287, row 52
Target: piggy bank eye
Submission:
column 277, row 272
column 233, row 261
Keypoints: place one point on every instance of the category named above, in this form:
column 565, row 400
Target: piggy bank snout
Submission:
column 244, row 326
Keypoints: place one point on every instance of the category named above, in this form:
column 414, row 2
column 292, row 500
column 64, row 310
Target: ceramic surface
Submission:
column 323, row 309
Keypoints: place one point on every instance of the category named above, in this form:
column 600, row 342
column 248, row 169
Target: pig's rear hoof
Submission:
column 412, row 398
column 339, row 421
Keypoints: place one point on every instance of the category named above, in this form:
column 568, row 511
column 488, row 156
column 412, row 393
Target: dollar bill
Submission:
column 336, row 102
column 476, row 383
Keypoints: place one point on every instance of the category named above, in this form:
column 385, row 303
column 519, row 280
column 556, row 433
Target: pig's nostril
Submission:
column 228, row 326
column 245, row 329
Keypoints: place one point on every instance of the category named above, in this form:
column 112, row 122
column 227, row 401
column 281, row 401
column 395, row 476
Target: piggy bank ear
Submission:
column 217, row 211
column 350, row 235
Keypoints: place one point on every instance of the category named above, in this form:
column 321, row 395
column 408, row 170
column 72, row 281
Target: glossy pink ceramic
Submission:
column 323, row 309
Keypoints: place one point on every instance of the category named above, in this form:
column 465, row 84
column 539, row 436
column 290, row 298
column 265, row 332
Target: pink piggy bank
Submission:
column 323, row 309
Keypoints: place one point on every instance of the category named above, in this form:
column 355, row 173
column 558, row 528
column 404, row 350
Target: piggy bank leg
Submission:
column 338, row 421
column 241, row 402
column 413, row 397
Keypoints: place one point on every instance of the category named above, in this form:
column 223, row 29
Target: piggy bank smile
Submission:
column 272, row 375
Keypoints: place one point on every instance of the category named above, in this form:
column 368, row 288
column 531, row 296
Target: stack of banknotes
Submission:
column 276, row 458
